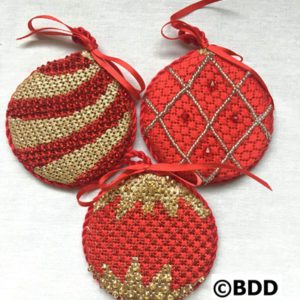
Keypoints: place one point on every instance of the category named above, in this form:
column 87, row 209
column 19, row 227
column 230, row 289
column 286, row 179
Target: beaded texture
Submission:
column 150, row 238
column 70, row 122
column 203, row 109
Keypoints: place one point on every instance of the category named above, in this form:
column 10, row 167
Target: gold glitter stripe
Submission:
column 39, row 85
column 133, row 288
column 66, row 169
column 34, row 132
column 148, row 189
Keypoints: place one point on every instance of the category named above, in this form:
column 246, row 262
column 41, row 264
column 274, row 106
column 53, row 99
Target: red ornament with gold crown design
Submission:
column 149, row 236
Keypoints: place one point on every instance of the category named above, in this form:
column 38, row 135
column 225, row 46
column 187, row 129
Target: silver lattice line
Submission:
column 149, row 103
column 181, row 92
column 250, row 107
column 238, row 143
column 209, row 123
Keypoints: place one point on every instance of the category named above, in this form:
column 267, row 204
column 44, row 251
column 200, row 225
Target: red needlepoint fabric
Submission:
column 150, row 237
column 70, row 121
column 207, row 107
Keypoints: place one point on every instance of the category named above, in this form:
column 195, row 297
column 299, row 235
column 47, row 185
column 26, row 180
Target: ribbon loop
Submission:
column 190, row 34
column 83, row 37
column 186, row 33
column 193, row 36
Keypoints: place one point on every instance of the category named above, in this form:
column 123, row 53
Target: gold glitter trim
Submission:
column 34, row 132
column 39, row 85
column 66, row 169
column 148, row 189
column 133, row 288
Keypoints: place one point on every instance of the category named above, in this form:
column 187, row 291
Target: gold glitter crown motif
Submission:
column 148, row 189
column 133, row 288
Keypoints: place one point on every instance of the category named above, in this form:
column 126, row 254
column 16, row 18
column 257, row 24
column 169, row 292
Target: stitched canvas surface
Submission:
column 70, row 122
column 150, row 238
column 203, row 109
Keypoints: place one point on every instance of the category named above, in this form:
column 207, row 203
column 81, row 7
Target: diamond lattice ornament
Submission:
column 207, row 107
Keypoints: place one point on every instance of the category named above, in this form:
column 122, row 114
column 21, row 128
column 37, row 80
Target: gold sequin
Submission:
column 34, row 132
column 148, row 189
column 39, row 85
column 66, row 169
column 134, row 289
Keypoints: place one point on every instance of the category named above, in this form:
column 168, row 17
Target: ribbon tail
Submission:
column 174, row 168
column 87, row 189
column 189, row 9
column 107, row 63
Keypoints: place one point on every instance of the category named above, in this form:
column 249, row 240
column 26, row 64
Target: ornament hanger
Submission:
column 83, row 37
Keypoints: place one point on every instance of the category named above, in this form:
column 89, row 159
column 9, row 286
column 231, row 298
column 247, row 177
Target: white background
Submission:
column 40, row 227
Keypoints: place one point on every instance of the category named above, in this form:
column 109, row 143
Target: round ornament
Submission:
column 149, row 236
column 207, row 107
column 72, row 119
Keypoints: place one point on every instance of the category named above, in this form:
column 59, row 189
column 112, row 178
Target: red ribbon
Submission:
column 106, row 182
column 81, row 36
column 190, row 34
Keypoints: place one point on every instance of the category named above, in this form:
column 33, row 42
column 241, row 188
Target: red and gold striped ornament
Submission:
column 148, row 235
column 73, row 119
column 207, row 107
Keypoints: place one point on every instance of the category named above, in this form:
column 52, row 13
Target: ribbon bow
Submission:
column 83, row 37
column 190, row 34
column 113, row 179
